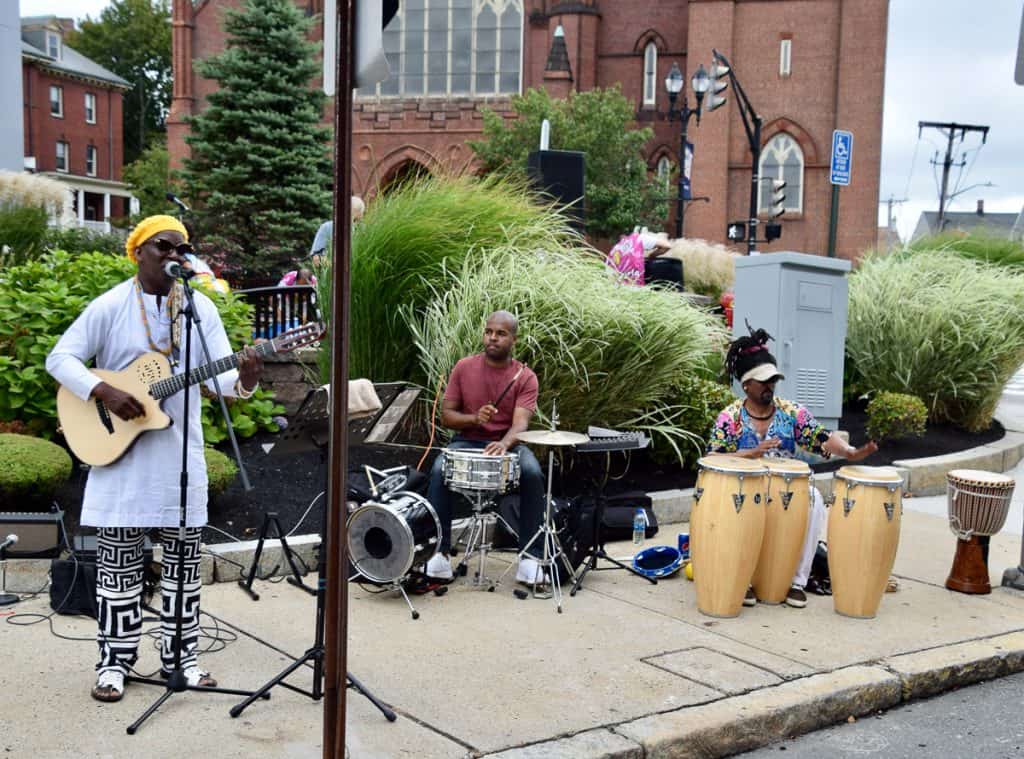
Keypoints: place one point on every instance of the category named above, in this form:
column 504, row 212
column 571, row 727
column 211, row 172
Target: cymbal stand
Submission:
column 546, row 533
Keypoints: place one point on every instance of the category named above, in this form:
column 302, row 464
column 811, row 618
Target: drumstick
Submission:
column 508, row 386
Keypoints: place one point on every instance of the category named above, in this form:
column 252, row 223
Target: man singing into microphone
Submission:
column 141, row 490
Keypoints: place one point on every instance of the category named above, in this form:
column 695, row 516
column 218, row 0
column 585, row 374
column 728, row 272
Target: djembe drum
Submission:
column 863, row 534
column 789, row 504
column 978, row 503
column 726, row 527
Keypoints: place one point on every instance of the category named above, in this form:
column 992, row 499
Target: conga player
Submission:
column 760, row 424
column 490, row 399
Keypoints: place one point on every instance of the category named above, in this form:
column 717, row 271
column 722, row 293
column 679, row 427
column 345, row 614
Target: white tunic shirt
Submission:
column 141, row 489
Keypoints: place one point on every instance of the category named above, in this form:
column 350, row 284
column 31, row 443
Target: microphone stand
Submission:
column 177, row 682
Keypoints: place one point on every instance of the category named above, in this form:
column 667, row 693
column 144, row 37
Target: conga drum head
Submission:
column 869, row 475
column 731, row 464
column 788, row 467
column 980, row 477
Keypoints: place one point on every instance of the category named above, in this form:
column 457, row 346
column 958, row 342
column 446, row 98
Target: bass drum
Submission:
column 386, row 540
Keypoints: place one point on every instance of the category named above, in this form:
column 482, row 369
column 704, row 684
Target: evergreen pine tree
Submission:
column 260, row 171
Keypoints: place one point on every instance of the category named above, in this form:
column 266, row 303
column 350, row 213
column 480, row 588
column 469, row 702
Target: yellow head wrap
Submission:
column 150, row 226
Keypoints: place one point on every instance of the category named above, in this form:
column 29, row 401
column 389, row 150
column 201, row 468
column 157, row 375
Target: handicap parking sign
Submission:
column 842, row 157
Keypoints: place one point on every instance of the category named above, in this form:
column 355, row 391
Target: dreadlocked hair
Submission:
column 748, row 351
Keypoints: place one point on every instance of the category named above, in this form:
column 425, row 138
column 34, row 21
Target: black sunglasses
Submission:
column 166, row 246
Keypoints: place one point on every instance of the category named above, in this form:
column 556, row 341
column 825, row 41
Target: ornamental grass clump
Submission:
column 610, row 355
column 708, row 268
column 943, row 328
column 975, row 246
column 408, row 239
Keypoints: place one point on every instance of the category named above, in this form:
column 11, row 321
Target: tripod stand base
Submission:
column 177, row 683
column 6, row 599
column 591, row 564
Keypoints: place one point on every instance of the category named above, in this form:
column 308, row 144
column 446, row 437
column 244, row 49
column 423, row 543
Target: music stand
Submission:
column 310, row 431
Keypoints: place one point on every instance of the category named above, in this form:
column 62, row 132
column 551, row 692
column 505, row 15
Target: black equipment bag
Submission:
column 73, row 587
column 619, row 509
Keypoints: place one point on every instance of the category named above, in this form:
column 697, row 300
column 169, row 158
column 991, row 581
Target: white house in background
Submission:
column 72, row 122
column 1009, row 226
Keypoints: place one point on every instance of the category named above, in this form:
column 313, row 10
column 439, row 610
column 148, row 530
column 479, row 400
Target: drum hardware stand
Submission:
column 481, row 535
column 552, row 547
column 597, row 550
column 312, row 418
column 270, row 519
column 177, row 682
column 6, row 599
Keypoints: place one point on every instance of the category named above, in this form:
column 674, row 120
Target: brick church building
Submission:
column 807, row 66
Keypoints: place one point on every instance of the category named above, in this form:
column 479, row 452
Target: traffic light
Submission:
column 368, row 22
column 778, row 202
column 719, row 81
column 736, row 231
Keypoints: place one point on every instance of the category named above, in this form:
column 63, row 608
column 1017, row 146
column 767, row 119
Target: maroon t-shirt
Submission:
column 473, row 384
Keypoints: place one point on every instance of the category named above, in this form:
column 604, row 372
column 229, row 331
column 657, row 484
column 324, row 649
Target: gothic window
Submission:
column 782, row 159
column 650, row 73
column 664, row 170
column 454, row 47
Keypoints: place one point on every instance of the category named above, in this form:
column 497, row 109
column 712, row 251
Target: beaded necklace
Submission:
column 173, row 311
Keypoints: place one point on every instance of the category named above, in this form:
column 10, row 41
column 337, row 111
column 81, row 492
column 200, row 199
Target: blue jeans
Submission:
column 531, row 495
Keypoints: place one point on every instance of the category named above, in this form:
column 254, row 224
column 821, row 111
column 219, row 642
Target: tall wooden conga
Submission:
column 978, row 503
column 863, row 533
column 786, row 515
column 726, row 526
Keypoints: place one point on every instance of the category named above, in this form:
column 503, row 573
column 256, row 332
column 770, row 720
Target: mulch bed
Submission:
column 288, row 484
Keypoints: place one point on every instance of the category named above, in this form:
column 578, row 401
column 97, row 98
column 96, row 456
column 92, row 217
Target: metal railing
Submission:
column 278, row 309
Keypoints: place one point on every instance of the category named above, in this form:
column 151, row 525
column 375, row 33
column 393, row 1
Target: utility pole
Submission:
column 951, row 130
column 889, row 219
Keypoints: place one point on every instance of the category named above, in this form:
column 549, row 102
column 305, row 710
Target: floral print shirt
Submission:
column 792, row 424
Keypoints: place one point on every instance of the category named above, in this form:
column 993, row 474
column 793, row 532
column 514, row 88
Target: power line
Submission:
column 950, row 130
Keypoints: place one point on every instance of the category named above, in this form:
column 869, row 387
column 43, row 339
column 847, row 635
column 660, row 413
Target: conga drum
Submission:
column 726, row 526
column 786, row 515
column 978, row 503
column 863, row 533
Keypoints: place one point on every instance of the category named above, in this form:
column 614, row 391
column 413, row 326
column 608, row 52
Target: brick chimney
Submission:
column 981, row 207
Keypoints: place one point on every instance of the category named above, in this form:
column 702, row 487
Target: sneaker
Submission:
column 529, row 572
column 750, row 599
column 439, row 567
column 109, row 686
column 796, row 597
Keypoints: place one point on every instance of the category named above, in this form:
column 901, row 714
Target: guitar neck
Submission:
column 170, row 385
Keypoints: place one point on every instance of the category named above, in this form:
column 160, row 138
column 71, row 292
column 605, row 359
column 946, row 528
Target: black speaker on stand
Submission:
column 559, row 173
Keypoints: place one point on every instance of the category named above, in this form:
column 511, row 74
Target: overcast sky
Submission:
column 948, row 60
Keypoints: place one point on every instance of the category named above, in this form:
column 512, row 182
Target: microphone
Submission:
column 174, row 270
column 177, row 201
column 9, row 541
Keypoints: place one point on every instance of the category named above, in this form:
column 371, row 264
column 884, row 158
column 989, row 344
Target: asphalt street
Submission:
column 982, row 722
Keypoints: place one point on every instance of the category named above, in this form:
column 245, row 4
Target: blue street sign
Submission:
column 842, row 157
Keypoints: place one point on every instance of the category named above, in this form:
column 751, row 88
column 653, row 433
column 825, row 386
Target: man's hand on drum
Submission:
column 497, row 448
column 839, row 447
column 768, row 444
column 485, row 414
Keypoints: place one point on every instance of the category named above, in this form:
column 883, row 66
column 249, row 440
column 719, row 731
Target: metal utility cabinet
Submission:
column 801, row 301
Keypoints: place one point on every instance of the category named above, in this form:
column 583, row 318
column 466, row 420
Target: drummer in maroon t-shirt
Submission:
column 476, row 384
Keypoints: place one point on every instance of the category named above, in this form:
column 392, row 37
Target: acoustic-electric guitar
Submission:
column 99, row 437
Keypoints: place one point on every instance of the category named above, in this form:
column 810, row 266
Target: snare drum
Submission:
column 726, row 527
column 475, row 471
column 978, row 502
column 785, row 527
column 863, row 534
column 386, row 540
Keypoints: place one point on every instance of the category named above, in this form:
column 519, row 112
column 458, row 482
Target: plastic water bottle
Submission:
column 639, row 526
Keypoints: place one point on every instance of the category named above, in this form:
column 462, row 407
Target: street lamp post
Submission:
column 674, row 85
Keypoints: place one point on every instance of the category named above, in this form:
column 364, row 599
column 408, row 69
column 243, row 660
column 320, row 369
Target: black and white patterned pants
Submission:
column 119, row 596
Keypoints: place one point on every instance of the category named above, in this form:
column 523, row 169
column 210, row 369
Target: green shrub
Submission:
column 406, row 242
column 39, row 300
column 610, row 355
column 701, row 400
column 31, row 467
column 975, row 246
column 947, row 330
column 248, row 416
column 896, row 415
column 22, row 233
column 221, row 471
column 77, row 241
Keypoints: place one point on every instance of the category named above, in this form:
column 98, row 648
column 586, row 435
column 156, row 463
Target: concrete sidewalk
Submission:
column 628, row 670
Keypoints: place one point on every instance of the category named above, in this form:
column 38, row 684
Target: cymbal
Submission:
column 551, row 437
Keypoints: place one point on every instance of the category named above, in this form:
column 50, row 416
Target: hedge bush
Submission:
column 221, row 471
column 31, row 467
column 896, row 415
column 946, row 329
column 701, row 400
